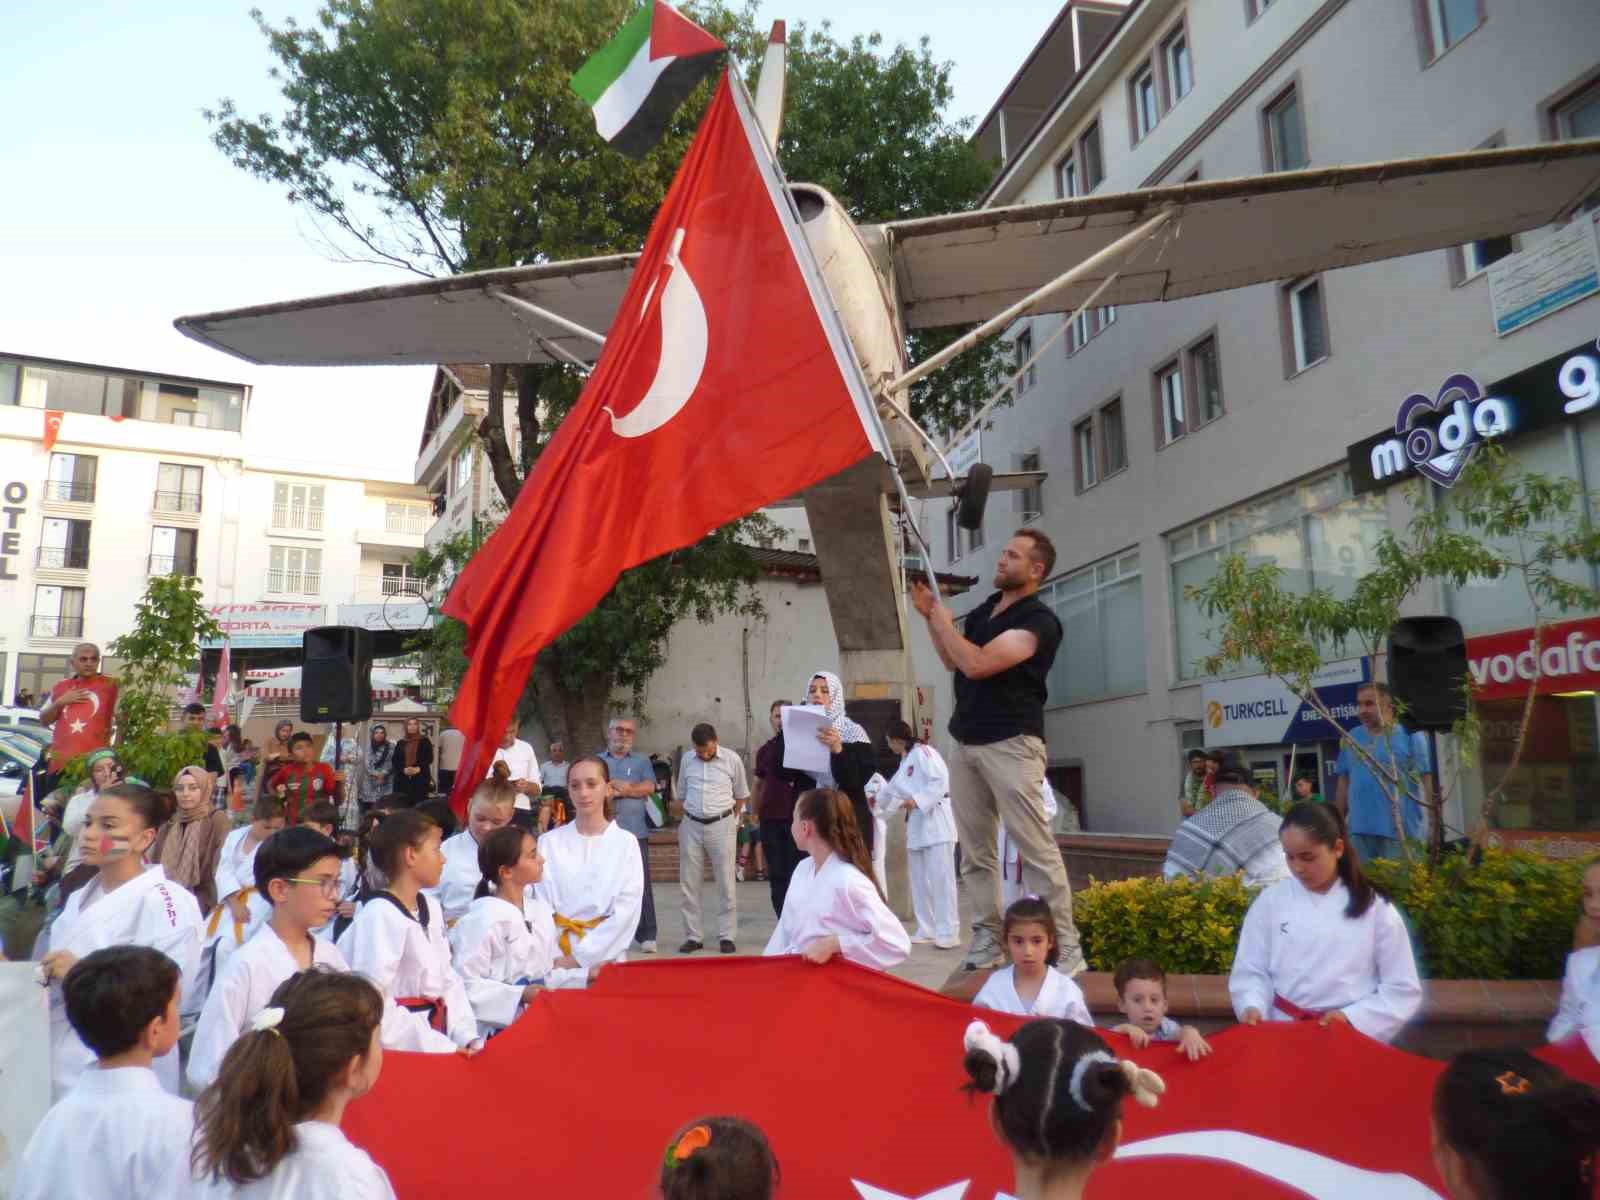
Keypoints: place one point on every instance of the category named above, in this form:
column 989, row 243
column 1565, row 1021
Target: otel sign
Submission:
column 16, row 496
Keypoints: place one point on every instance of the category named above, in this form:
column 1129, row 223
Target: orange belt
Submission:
column 216, row 916
column 568, row 927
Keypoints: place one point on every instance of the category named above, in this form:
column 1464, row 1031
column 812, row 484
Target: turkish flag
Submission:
column 726, row 383
column 219, row 694
column 52, row 427
column 856, row 1078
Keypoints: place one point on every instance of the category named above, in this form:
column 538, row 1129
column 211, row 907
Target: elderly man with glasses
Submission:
column 633, row 780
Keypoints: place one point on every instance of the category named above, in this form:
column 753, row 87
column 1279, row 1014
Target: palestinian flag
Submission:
column 638, row 80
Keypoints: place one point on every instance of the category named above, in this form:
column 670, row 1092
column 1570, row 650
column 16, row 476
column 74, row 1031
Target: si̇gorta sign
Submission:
column 1434, row 437
column 265, row 625
column 1260, row 711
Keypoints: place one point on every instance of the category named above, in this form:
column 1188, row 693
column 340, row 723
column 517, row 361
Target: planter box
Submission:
column 1109, row 856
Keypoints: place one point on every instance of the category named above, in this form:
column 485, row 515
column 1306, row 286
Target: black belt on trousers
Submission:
column 709, row 820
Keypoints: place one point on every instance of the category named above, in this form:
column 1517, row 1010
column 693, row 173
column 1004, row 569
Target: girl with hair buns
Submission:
column 505, row 946
column 269, row 1125
column 1322, row 945
column 126, row 903
column 833, row 906
column 719, row 1158
column 493, row 801
column 1506, row 1125
column 1058, row 1093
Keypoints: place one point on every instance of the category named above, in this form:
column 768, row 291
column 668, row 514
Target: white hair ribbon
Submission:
column 1146, row 1086
column 267, row 1020
column 1079, row 1069
column 1008, row 1063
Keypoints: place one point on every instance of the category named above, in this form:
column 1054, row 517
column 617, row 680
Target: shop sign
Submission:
column 16, row 495
column 401, row 613
column 966, row 454
column 1502, row 665
column 265, row 625
column 1533, row 283
column 1261, row 711
column 1435, row 436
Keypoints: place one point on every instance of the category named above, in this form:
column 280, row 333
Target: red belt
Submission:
column 426, row 1004
column 1293, row 1011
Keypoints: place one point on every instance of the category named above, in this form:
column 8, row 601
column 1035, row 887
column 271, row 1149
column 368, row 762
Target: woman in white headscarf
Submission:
column 851, row 760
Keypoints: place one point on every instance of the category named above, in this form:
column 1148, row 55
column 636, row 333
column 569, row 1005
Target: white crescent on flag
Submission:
column 684, row 342
column 1317, row 1175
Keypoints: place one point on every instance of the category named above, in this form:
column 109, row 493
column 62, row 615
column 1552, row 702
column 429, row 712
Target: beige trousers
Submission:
column 696, row 843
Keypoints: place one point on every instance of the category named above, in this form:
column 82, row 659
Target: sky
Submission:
column 117, row 213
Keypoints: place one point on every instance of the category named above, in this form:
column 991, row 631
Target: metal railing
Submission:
column 410, row 520
column 186, row 502
column 45, row 626
column 297, row 583
column 296, row 516
column 391, row 585
column 67, row 489
column 172, row 564
column 69, row 558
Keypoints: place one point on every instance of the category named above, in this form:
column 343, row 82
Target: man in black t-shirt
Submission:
column 1001, row 659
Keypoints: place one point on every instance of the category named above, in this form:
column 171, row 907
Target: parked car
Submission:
column 15, row 716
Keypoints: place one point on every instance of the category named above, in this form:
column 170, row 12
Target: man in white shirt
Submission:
column 524, row 765
column 447, row 757
column 712, row 784
column 553, row 771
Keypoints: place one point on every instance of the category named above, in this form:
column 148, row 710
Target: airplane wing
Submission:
column 455, row 319
column 966, row 267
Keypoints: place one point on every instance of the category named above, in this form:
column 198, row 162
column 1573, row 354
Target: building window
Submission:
column 64, row 545
column 1205, row 378
column 1308, row 322
column 1144, row 101
column 1316, row 532
column 294, row 570
column 1177, row 65
column 298, row 505
column 400, row 580
column 1448, row 21
column 38, row 673
column 1101, row 609
column 461, row 469
column 1088, row 460
column 173, row 551
column 72, row 477
column 1478, row 257
column 1027, row 371
column 1067, row 177
column 1173, row 416
column 952, row 533
column 102, row 393
column 1030, row 500
column 1254, row 8
column 178, row 488
column 804, row 544
column 1078, row 333
column 399, row 517
column 1113, row 437
column 57, row 611
column 1091, row 158
column 1575, row 113
column 1285, row 132
column 1105, row 317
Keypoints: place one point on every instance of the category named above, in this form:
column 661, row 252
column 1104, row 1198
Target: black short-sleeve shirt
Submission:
column 1012, row 702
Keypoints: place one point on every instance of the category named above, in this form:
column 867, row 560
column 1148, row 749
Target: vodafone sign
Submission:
column 1503, row 664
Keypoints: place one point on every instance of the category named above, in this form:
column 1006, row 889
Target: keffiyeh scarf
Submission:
column 847, row 729
column 1225, row 835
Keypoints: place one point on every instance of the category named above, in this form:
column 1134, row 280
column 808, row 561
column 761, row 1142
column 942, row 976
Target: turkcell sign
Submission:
column 1260, row 711
column 1435, row 436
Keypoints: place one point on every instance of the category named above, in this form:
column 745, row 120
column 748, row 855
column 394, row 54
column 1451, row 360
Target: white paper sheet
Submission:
column 24, row 1064
column 801, row 750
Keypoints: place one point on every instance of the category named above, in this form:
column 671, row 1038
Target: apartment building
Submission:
column 1253, row 421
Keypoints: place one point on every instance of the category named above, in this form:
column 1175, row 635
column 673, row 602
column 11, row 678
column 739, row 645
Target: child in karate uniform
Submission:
column 115, row 1133
column 833, row 906
column 505, row 946
column 922, row 786
column 268, row 1128
column 297, row 871
column 1031, row 986
column 1322, row 945
column 239, row 906
column 1579, row 1011
column 718, row 1158
column 398, row 941
column 493, row 802
column 126, row 903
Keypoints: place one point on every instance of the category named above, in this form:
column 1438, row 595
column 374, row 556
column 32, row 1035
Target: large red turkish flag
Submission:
column 856, row 1078
column 726, row 383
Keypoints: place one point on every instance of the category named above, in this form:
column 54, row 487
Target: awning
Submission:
column 388, row 683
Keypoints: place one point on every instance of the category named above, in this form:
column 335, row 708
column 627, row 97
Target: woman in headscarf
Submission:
column 851, row 760
column 413, row 764
column 380, row 767
column 189, row 845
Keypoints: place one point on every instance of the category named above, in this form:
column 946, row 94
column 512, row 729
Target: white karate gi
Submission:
column 391, row 948
column 880, row 827
column 1058, row 997
column 1011, row 858
column 838, row 899
column 242, row 989
column 1579, row 1010
column 499, row 950
column 1300, row 945
column 460, row 877
column 235, row 873
column 324, row 1165
column 922, row 784
column 589, row 877
column 148, row 910
column 115, row 1134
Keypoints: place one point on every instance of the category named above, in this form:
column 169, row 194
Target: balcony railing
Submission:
column 411, row 520
column 47, row 626
column 172, row 564
column 70, row 558
column 184, row 502
column 294, row 583
column 67, row 489
column 296, row 516
column 391, row 585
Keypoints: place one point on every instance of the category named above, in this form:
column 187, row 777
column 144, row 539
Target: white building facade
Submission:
column 1243, row 422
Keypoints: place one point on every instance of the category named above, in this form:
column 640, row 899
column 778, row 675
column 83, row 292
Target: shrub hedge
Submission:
column 1509, row 917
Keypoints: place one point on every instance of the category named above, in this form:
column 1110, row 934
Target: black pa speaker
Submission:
column 336, row 674
column 1428, row 671
column 973, row 495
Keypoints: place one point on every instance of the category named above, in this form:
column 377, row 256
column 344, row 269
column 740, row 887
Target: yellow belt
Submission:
column 568, row 927
column 216, row 916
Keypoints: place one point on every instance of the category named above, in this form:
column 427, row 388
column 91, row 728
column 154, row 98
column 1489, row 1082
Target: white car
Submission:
column 18, row 716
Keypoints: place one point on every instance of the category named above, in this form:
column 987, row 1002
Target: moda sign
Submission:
column 1435, row 436
column 1567, row 659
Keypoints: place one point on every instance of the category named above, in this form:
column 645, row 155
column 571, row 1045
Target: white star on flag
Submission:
column 950, row 1191
column 77, row 727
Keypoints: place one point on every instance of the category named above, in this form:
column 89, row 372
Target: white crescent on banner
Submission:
column 1318, row 1176
column 684, row 341
column 94, row 698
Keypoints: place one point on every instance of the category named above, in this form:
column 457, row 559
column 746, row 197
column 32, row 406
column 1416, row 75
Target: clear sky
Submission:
column 117, row 214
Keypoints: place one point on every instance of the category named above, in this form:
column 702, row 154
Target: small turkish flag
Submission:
column 726, row 383
column 52, row 427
